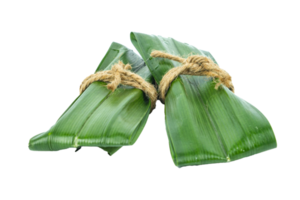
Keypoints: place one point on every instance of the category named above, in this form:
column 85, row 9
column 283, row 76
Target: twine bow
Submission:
column 120, row 74
column 193, row 65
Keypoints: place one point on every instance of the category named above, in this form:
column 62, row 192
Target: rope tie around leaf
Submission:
column 120, row 74
column 193, row 65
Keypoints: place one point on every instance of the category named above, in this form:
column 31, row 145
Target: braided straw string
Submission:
column 120, row 74
column 193, row 65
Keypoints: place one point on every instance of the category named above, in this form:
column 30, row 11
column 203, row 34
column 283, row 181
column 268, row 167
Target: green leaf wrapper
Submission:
column 204, row 125
column 100, row 117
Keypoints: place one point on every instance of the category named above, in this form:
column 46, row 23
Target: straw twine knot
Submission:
column 120, row 74
column 193, row 65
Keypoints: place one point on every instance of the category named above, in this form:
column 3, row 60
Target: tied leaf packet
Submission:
column 204, row 125
column 100, row 117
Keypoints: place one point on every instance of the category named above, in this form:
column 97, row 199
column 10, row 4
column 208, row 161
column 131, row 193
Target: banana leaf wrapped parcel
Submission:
column 106, row 114
column 205, row 121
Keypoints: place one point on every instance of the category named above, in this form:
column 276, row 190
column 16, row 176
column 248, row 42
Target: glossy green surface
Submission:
column 99, row 117
column 204, row 125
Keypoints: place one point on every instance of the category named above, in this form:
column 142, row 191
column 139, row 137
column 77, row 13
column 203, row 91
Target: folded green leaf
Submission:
column 204, row 125
column 100, row 117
